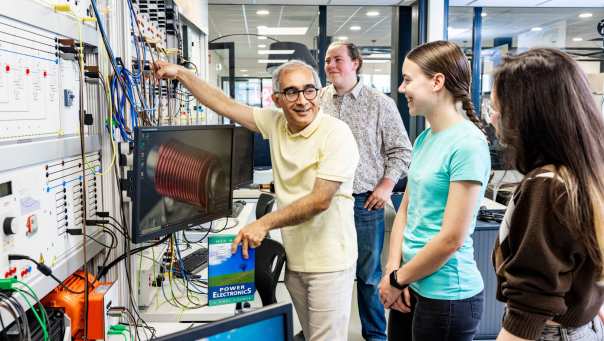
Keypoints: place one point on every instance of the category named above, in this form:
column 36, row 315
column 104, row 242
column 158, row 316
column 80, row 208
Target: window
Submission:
column 368, row 27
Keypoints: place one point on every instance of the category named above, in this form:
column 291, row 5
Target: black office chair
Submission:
column 270, row 258
column 264, row 205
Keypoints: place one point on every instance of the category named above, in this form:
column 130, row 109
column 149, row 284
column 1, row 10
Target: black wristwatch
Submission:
column 394, row 281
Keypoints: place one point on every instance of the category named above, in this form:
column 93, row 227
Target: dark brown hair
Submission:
column 448, row 59
column 353, row 52
column 549, row 117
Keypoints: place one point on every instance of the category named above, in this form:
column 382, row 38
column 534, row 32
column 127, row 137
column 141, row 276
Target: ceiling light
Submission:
column 355, row 28
column 243, row 70
column 261, row 46
column 577, row 39
column 379, row 55
column 272, row 61
column 378, row 70
column 262, row 38
column 373, row 13
column 483, row 14
column 276, row 51
column 536, row 29
column 263, row 12
column 342, row 38
column 585, row 15
column 276, row 31
column 453, row 32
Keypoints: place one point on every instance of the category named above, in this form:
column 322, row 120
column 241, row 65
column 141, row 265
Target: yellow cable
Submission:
column 67, row 9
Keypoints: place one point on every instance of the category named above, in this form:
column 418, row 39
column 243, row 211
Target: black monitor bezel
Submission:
column 137, row 235
column 251, row 181
column 237, row 321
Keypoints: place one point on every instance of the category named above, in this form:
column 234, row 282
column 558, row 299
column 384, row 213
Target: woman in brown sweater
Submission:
column 548, row 256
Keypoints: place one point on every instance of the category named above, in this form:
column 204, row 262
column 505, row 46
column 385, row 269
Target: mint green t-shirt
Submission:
column 457, row 153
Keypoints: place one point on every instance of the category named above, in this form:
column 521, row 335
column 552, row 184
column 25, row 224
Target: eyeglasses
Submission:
column 292, row 94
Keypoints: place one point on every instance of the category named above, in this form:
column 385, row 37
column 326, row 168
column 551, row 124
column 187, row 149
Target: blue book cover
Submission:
column 230, row 276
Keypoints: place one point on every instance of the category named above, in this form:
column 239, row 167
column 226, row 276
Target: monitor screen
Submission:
column 243, row 157
column 262, row 153
column 182, row 178
column 273, row 323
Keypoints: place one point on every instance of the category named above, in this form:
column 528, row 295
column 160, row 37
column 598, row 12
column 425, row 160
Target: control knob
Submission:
column 9, row 226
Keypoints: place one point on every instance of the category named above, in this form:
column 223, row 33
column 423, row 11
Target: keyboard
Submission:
column 494, row 216
column 192, row 262
column 237, row 208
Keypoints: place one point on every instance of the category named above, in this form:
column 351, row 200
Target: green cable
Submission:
column 33, row 293
column 19, row 291
column 117, row 332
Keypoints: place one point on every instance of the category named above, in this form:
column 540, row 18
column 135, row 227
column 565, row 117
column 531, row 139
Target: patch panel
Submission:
column 37, row 205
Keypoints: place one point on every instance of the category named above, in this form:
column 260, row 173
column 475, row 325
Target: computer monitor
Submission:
column 243, row 157
column 182, row 178
column 499, row 158
column 262, row 153
column 273, row 323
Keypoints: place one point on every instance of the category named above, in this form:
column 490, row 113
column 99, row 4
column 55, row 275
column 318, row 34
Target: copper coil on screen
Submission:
column 187, row 174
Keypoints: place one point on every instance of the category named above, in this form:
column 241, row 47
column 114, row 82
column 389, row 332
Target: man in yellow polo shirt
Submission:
column 314, row 160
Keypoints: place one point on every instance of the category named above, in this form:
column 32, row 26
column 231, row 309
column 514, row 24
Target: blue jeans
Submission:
column 370, row 239
column 437, row 320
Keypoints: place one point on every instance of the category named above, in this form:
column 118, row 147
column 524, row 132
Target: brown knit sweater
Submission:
column 543, row 271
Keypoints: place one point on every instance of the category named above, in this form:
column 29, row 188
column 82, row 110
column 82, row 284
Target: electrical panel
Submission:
column 38, row 204
column 43, row 179
column 29, row 82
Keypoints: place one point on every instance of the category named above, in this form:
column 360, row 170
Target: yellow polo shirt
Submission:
column 325, row 149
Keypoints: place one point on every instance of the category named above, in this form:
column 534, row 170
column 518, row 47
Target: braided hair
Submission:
column 448, row 59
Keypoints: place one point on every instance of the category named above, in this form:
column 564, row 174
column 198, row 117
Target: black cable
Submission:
column 64, row 286
column 110, row 247
column 85, row 196
column 18, row 313
column 123, row 256
column 2, row 322
column 113, row 246
column 184, row 234
column 120, row 229
column 126, row 254
column 41, row 307
column 44, row 269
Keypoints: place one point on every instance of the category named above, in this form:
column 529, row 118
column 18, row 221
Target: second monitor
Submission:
column 243, row 157
column 182, row 178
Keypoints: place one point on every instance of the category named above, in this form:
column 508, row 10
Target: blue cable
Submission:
column 185, row 274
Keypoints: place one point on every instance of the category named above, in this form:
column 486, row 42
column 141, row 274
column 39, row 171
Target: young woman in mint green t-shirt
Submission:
column 437, row 292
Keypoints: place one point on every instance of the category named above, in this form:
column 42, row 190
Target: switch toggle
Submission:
column 31, row 225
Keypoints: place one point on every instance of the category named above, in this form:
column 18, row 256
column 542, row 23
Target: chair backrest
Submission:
column 264, row 205
column 270, row 258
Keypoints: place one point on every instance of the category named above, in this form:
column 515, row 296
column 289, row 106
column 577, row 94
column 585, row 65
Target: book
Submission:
column 230, row 276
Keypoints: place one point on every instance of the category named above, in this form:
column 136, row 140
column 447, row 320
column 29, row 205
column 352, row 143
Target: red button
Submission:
column 45, row 74
column 7, row 68
column 27, row 71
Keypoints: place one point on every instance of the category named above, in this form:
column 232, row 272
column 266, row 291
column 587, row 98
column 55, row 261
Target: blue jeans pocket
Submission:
column 477, row 305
